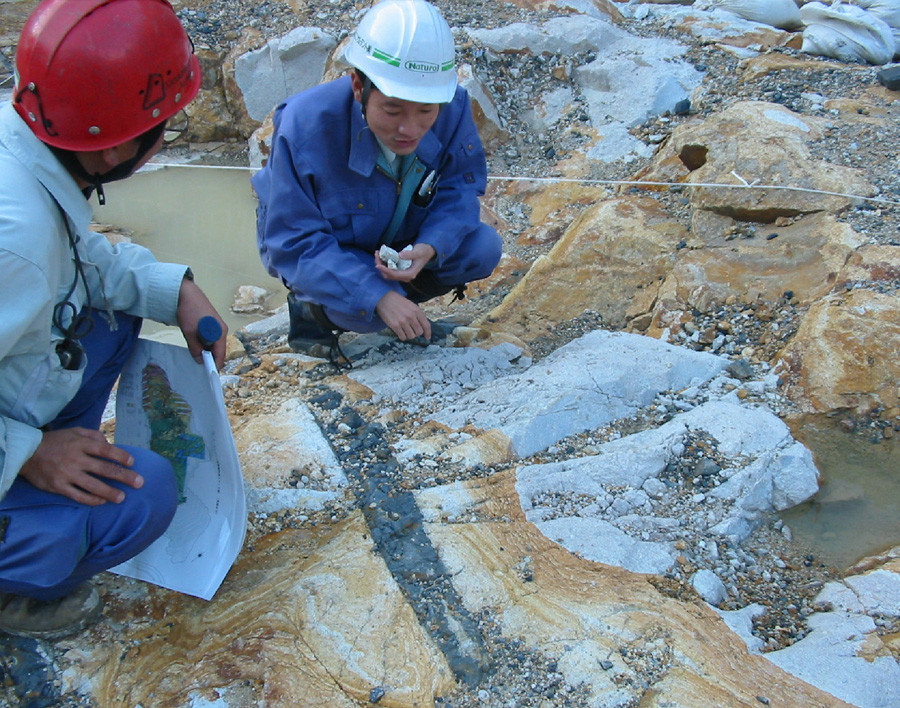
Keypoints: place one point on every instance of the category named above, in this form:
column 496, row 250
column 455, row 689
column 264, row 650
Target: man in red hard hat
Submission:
column 96, row 82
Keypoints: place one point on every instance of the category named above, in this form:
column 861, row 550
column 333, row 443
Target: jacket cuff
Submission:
column 163, row 290
column 19, row 443
column 366, row 298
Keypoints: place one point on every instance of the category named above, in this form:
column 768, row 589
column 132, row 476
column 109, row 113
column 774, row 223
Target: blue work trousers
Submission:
column 50, row 543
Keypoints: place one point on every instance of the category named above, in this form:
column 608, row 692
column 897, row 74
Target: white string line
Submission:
column 606, row 182
column 685, row 185
column 150, row 166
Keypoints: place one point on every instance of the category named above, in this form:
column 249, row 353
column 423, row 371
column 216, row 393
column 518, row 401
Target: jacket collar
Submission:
column 37, row 158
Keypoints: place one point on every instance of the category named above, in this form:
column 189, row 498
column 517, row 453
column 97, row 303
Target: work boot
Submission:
column 425, row 286
column 310, row 332
column 28, row 617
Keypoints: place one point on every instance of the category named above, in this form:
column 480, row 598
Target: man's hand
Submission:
column 420, row 255
column 403, row 316
column 192, row 306
column 69, row 462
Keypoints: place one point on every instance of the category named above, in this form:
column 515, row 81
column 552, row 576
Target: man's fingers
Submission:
column 97, row 489
column 83, row 497
column 414, row 328
column 73, row 490
column 110, row 470
column 102, row 448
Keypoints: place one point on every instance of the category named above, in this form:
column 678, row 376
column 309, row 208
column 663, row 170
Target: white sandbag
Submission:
column 846, row 32
column 887, row 10
column 783, row 14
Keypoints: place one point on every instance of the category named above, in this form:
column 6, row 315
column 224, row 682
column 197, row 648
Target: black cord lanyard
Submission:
column 70, row 350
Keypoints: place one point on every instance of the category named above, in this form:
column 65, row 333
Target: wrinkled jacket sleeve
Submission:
column 298, row 244
column 132, row 280
column 128, row 278
column 18, row 441
column 456, row 210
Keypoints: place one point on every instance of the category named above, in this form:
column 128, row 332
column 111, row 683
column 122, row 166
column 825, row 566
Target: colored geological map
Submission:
column 169, row 416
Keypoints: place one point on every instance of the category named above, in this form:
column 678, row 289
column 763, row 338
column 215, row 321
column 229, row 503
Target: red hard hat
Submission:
column 91, row 74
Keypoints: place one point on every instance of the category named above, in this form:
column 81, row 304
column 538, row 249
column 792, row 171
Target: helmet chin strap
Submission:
column 366, row 91
column 96, row 180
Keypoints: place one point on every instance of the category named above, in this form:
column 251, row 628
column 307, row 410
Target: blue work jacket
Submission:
column 323, row 205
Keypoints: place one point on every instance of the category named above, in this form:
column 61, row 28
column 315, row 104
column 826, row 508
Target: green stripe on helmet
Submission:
column 385, row 57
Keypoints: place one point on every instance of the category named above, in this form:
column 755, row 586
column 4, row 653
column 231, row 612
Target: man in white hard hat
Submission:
column 387, row 156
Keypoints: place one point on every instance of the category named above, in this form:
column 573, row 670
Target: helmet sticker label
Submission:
column 155, row 92
column 426, row 67
column 376, row 53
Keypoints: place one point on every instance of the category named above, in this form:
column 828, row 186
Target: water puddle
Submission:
column 204, row 217
column 857, row 509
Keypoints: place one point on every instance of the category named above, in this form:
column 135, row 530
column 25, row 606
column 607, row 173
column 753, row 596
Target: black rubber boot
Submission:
column 310, row 332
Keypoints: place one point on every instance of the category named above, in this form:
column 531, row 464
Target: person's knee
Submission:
column 484, row 250
column 492, row 248
column 157, row 499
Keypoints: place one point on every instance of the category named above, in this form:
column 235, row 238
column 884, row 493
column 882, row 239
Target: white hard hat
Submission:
column 406, row 48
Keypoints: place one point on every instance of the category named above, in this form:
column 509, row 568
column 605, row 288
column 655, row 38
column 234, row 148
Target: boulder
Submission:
column 718, row 26
column 281, row 68
column 484, row 110
column 585, row 614
column 210, row 118
column 559, row 35
column 650, row 72
column 592, row 267
column 297, row 621
column 844, row 653
column 844, row 355
column 616, row 375
column 804, row 259
column 751, row 146
column 604, row 9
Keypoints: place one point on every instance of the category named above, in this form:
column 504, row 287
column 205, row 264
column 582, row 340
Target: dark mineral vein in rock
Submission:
column 399, row 536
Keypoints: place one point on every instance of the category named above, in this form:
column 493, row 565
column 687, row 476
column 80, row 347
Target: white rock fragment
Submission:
column 249, row 298
column 709, row 587
column 392, row 259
